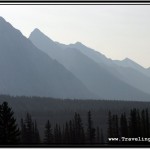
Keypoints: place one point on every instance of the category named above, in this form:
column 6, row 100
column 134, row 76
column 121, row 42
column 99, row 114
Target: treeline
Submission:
column 137, row 124
column 42, row 109
column 134, row 124
column 72, row 132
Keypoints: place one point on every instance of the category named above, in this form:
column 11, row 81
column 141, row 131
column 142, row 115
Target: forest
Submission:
column 77, row 122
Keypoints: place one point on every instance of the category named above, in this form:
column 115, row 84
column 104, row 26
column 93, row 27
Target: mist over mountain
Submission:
column 128, row 63
column 126, row 70
column 89, row 67
column 38, row 66
column 91, row 53
column 26, row 70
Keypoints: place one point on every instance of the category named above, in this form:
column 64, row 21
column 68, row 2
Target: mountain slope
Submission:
column 126, row 70
column 96, row 78
column 135, row 78
column 128, row 63
column 91, row 53
column 26, row 70
column 148, row 70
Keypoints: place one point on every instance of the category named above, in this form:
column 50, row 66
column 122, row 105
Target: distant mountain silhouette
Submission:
column 131, row 64
column 135, row 78
column 91, row 53
column 126, row 70
column 89, row 67
column 26, row 70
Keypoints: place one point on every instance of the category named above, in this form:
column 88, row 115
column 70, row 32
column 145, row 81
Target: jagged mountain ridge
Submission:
column 26, row 70
column 126, row 70
column 128, row 63
column 96, row 78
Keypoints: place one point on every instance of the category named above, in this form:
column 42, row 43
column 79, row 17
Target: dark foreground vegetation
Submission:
column 53, row 122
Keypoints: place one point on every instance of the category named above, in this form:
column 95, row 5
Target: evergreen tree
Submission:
column 115, row 128
column 23, row 131
column 110, row 134
column 147, row 123
column 36, row 134
column 71, row 132
column 29, row 131
column 67, row 134
column 143, row 120
column 90, row 129
column 139, row 124
column 48, row 133
column 79, row 135
column 63, row 134
column 123, row 126
column 29, row 135
column 133, row 123
column 9, row 131
column 58, row 135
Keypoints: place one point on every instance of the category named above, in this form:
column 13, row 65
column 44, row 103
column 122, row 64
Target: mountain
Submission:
column 91, row 53
column 148, row 69
column 134, row 78
column 128, row 63
column 94, row 76
column 126, row 70
column 26, row 70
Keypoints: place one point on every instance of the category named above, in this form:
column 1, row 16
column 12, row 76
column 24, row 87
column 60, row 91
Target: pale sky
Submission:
column 117, row 31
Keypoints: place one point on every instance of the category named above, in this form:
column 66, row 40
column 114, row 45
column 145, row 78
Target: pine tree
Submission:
column 79, row 136
column 71, row 131
column 110, row 134
column 63, row 134
column 48, row 133
column 58, row 135
column 115, row 127
column 36, row 134
column 123, row 126
column 67, row 134
column 147, row 123
column 133, row 123
column 143, row 120
column 139, row 124
column 29, row 131
column 9, row 131
column 23, row 131
column 90, row 129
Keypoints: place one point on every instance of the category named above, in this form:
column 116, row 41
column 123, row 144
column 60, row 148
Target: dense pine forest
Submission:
column 53, row 122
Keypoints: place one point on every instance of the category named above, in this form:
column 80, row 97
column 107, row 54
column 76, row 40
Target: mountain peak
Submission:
column 36, row 31
column 78, row 43
column 127, row 60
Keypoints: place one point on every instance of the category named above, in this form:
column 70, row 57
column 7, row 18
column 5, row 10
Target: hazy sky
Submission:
column 117, row 31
